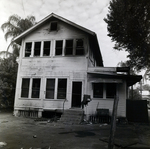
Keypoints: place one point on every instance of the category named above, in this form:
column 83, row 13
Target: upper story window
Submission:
column 37, row 48
column 28, row 48
column 59, row 47
column 46, row 49
column 69, row 47
column 79, row 47
column 53, row 26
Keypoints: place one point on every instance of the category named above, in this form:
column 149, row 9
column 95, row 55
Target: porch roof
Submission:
column 130, row 79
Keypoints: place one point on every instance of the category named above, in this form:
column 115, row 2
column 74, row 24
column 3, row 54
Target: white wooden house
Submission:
column 59, row 63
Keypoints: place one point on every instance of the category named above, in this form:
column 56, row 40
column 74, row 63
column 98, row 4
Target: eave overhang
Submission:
column 130, row 79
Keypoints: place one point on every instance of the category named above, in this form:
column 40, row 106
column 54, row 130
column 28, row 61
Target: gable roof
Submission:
column 92, row 35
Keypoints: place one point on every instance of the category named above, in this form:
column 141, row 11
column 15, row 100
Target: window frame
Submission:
column 57, row 48
column 39, row 49
column 25, row 49
column 47, row 48
column 53, row 26
column 68, row 48
column 23, row 87
column 105, row 92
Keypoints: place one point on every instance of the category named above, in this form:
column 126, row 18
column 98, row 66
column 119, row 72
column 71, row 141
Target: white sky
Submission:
column 87, row 13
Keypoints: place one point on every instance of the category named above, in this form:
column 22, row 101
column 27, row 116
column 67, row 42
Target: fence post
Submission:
column 113, row 124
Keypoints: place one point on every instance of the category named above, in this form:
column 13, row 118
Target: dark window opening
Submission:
column 79, row 47
column 62, row 88
column 36, row 88
column 69, row 47
column 59, row 47
column 25, row 87
column 98, row 90
column 46, row 51
column 50, row 87
column 37, row 48
column 28, row 49
column 53, row 26
column 110, row 90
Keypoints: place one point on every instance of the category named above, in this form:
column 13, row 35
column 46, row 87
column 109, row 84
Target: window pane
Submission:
column 53, row 26
column 79, row 47
column 46, row 49
column 25, row 88
column 98, row 90
column 59, row 45
column 62, row 88
column 69, row 47
column 37, row 48
column 36, row 88
column 50, row 87
column 28, row 49
column 110, row 90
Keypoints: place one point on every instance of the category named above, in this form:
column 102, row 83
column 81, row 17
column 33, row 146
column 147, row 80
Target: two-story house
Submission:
column 59, row 63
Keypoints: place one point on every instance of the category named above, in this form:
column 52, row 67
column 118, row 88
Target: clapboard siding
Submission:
column 108, row 103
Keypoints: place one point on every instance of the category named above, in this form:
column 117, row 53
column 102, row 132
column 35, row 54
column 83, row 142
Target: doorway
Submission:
column 76, row 94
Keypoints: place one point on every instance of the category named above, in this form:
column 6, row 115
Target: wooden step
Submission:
column 72, row 116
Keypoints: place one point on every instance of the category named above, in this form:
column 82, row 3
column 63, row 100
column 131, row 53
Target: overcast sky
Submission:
column 87, row 13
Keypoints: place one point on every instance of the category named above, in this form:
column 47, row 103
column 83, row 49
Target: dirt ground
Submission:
column 26, row 133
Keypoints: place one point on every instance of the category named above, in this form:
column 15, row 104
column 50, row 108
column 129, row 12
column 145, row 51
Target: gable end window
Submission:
column 53, row 26
column 28, row 48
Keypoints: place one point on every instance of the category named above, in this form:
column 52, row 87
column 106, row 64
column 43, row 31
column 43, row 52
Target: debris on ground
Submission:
column 3, row 144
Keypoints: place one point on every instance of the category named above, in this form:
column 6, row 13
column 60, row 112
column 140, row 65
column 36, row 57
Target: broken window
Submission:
column 36, row 88
column 69, row 47
column 25, row 87
column 110, row 90
column 59, row 47
column 46, row 50
column 53, row 26
column 50, row 87
column 79, row 47
column 62, row 88
column 98, row 90
column 37, row 48
column 28, row 48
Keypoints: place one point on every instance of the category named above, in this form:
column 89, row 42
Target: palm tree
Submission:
column 14, row 27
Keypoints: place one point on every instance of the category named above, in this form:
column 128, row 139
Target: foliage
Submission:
column 8, row 75
column 127, row 64
column 8, row 66
column 128, row 24
column 146, row 87
column 14, row 27
column 134, row 94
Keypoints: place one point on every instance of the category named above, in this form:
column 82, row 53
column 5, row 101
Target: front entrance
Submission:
column 76, row 94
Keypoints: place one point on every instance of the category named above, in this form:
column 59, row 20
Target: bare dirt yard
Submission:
column 26, row 133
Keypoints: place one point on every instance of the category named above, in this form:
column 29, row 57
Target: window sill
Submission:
column 22, row 98
column 102, row 98
column 55, row 100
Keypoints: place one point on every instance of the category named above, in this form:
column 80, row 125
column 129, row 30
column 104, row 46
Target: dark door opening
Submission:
column 76, row 94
